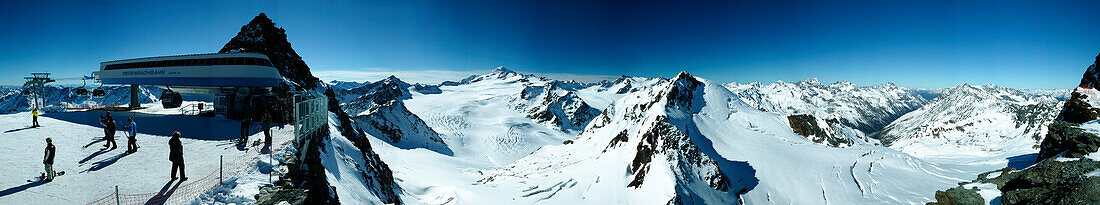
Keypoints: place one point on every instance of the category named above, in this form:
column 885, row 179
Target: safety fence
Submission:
column 192, row 188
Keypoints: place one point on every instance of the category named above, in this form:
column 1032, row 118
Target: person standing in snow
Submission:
column 34, row 117
column 48, row 159
column 131, row 144
column 108, row 123
column 175, row 154
column 246, row 123
column 267, row 129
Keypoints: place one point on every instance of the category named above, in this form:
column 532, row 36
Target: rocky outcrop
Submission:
column 958, row 196
column 261, row 36
column 1067, row 140
column 1080, row 108
column 809, row 127
column 1053, row 182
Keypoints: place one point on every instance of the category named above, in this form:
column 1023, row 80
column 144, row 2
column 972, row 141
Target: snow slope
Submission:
column 975, row 121
column 92, row 173
column 477, row 118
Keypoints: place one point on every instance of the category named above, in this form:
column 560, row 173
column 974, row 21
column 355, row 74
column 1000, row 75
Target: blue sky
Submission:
column 1019, row 44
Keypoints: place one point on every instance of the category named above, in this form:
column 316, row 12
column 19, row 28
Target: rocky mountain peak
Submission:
column 261, row 36
column 681, row 90
column 1091, row 78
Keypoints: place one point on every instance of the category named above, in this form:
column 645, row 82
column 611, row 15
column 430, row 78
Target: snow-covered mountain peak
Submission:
column 991, row 91
column 812, row 81
column 500, row 74
column 502, row 69
column 973, row 120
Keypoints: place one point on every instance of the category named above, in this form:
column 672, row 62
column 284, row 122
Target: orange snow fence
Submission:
column 188, row 190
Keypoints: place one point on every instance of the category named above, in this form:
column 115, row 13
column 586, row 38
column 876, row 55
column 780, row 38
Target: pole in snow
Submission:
column 117, row 200
column 219, row 168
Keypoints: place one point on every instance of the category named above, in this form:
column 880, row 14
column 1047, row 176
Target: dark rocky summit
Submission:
column 261, row 36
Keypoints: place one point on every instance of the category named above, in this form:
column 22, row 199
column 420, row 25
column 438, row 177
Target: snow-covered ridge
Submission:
column 861, row 109
column 377, row 109
column 973, row 120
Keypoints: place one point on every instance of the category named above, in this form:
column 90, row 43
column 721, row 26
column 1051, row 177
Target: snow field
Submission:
column 96, row 172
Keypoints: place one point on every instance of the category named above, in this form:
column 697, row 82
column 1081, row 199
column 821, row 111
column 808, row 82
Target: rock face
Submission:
column 261, row 36
column 1066, row 139
column 1053, row 182
column 1081, row 106
column 863, row 109
column 811, row 128
column 958, row 196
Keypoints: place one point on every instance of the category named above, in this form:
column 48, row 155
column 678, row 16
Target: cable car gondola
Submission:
column 171, row 99
column 99, row 92
column 81, row 91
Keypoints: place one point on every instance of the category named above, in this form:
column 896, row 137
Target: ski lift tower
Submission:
column 35, row 84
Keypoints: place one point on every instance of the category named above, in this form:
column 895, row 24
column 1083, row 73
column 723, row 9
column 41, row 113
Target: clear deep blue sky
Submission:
column 1020, row 44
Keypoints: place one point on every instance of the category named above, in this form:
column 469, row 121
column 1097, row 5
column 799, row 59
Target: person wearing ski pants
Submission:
column 48, row 159
column 175, row 154
column 34, row 119
column 131, row 144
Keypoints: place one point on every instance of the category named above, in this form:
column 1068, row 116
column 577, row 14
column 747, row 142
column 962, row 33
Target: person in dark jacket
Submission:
column 246, row 123
column 48, row 159
column 267, row 129
column 175, row 154
column 109, row 131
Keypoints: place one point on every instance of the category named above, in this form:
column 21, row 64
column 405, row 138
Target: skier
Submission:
column 246, row 123
column 175, row 154
column 48, row 159
column 108, row 131
column 34, row 117
column 267, row 129
column 131, row 145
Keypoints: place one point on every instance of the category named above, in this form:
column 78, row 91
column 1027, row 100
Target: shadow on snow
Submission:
column 1022, row 161
column 20, row 188
column 191, row 127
